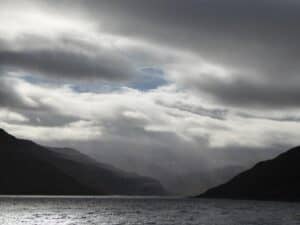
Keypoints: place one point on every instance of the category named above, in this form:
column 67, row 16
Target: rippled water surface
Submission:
column 82, row 211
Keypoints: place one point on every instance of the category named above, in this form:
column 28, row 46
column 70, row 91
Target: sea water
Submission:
column 139, row 210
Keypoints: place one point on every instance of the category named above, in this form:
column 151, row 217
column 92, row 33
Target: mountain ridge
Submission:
column 31, row 169
column 274, row 179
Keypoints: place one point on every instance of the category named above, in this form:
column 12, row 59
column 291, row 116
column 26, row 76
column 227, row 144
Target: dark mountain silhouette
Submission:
column 27, row 168
column 276, row 179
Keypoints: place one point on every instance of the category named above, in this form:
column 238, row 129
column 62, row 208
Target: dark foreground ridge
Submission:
column 27, row 168
column 277, row 179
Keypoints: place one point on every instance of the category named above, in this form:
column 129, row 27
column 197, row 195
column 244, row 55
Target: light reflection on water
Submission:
column 116, row 210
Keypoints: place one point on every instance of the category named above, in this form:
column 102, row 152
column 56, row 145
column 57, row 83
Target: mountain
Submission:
column 27, row 168
column 276, row 179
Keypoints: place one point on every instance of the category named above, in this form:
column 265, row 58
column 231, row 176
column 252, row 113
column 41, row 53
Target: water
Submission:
column 82, row 211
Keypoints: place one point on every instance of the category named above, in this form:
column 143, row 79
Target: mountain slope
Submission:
column 276, row 179
column 30, row 169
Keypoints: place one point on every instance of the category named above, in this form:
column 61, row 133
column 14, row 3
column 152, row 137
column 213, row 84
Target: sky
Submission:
column 188, row 92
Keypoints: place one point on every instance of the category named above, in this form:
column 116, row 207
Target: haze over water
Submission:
column 115, row 210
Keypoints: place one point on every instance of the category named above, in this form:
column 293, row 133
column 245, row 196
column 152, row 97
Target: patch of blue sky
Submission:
column 150, row 78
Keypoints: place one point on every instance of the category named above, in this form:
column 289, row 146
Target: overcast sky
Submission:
column 176, row 90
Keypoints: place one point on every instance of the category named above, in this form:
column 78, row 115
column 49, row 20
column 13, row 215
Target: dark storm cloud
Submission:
column 243, row 92
column 230, row 28
column 259, row 39
column 74, row 60
column 256, row 38
column 66, row 64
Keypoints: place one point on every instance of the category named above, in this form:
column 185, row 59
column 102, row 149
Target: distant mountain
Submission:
column 27, row 168
column 276, row 179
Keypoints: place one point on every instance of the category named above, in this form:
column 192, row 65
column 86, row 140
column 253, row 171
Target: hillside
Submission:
column 275, row 179
column 30, row 169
